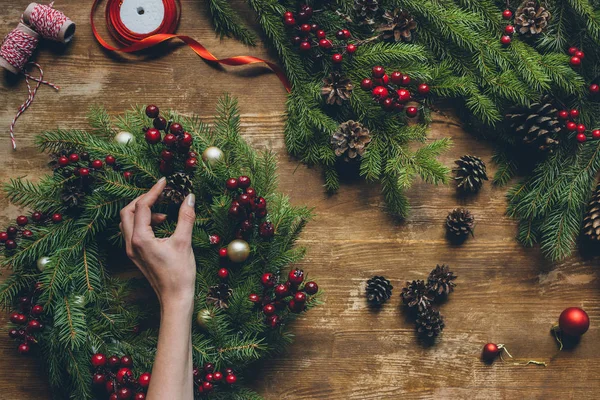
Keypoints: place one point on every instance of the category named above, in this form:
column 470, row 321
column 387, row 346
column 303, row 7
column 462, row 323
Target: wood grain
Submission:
column 343, row 350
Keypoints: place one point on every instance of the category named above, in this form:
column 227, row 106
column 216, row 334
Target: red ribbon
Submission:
column 135, row 42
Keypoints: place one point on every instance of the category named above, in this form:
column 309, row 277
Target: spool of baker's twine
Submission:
column 38, row 21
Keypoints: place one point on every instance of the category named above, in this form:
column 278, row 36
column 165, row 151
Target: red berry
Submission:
column 110, row 160
column 296, row 40
column 581, row 137
column 208, row 377
column 563, row 114
column 12, row 231
column 574, row 113
column 3, row 237
column 127, row 175
column 412, row 112
column 167, row 155
column 176, row 129
column 381, row 81
column 378, row 72
column 214, row 239
column 305, row 46
column 366, row 84
column 14, row 334
column 507, row 14
column 311, row 287
column 288, row 14
column 324, row 44
column 126, row 361
column 63, row 161
column 152, row 136
column 259, row 204
column 351, row 48
column 490, row 352
column 251, row 192
column 509, row 29
column 139, row 396
column 124, row 375
column 289, row 21
column 505, row 40
column 300, row 297
column 144, row 379
column 396, row 77
column 223, row 252
column 403, row 95
column 74, row 158
column 596, row 133
column 152, row 111
column 22, row 220
column 34, row 325
column 269, row 309
column 268, row 280
column 27, row 234
column 337, row 58
column 346, row 33
column 380, row 93
column 305, row 28
column 159, row 123
column 124, row 393
column 320, row 34
column 253, row 297
column 405, row 80
column 231, row 379
column 244, row 182
column 266, row 230
column 187, row 139
column 217, row 376
column 594, row 88
column 281, row 290
column 223, row 273
column 573, row 50
column 295, row 307
column 23, row 348
column 575, row 61
column 340, row 35
column 98, row 360
column 14, row 317
column 99, row 380
column 113, row 362
column 84, row 172
column 37, row 216
column 571, row 126
column 388, row 104
column 56, row 217
column 581, row 128
column 97, row 164
column 296, row 276
column 207, row 386
column 423, row 88
column 170, row 139
column 191, row 163
column 580, row 54
column 39, row 309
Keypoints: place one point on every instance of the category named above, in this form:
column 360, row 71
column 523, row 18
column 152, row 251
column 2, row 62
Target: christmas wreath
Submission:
column 524, row 75
column 93, row 331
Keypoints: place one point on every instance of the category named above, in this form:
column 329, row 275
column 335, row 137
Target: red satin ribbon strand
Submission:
column 135, row 42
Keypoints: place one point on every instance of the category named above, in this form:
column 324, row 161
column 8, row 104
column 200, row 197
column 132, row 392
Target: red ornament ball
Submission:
column 110, row 160
column 581, row 138
column 571, row 126
column 505, row 40
column 337, row 58
column 573, row 321
column 412, row 112
column 596, row 133
column 423, row 88
column 311, row 288
column 152, row 111
column 56, row 217
column 380, row 93
column 509, row 29
column 366, row 84
column 74, row 157
column 63, row 161
column 575, row 61
column 490, row 352
column 144, row 379
column 378, row 71
column 403, row 95
column 296, row 276
column 22, row 220
column 563, row 114
column 268, row 280
column 507, row 14
column 152, row 136
column 573, row 50
column 223, row 273
column 594, row 88
column 98, row 360
column 574, row 113
column 351, row 48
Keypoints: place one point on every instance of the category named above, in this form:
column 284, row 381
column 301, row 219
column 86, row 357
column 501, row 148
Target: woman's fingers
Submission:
column 126, row 225
column 158, row 218
column 143, row 215
column 185, row 222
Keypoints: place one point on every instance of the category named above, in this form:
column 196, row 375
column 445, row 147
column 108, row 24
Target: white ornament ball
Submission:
column 124, row 137
column 212, row 155
column 42, row 262
column 238, row 250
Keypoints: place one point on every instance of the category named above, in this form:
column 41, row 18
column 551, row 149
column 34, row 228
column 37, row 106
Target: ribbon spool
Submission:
column 17, row 48
column 49, row 23
column 143, row 31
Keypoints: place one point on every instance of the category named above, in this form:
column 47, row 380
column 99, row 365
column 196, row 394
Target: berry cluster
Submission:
column 82, row 166
column 576, row 57
column 248, row 209
column 27, row 319
column 308, row 36
column 393, row 98
column 291, row 295
column 206, row 378
column 569, row 116
column 509, row 29
column 9, row 238
column 176, row 140
column 113, row 378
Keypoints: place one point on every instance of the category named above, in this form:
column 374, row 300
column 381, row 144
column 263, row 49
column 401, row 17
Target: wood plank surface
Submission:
column 343, row 350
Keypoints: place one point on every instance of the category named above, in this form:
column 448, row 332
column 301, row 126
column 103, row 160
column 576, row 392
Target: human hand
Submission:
column 167, row 263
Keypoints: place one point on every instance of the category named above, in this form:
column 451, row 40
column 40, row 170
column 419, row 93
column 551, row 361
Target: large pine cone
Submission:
column 538, row 126
column 429, row 323
column 531, row 18
column 398, row 26
column 179, row 185
column 378, row 290
column 350, row 140
column 440, row 280
column 471, row 173
column 336, row 89
column 460, row 223
column 591, row 221
column 416, row 294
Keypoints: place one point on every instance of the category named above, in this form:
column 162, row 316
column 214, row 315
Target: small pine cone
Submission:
column 591, row 221
column 429, row 323
column 460, row 223
column 538, row 125
column 440, row 280
column 350, row 140
column 398, row 26
column 336, row 89
column 365, row 11
column 218, row 295
column 179, row 185
column 531, row 18
column 378, row 290
column 470, row 174
column 416, row 294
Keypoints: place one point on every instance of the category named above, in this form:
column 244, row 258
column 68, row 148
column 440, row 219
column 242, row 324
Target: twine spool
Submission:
column 17, row 48
column 51, row 24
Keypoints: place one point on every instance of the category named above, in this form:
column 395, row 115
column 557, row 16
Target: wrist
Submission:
column 180, row 303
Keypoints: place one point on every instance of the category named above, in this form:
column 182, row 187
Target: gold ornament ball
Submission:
column 238, row 250
column 212, row 155
column 42, row 262
column 124, row 137
column 203, row 318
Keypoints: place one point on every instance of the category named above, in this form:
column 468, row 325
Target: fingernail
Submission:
column 161, row 180
column 191, row 199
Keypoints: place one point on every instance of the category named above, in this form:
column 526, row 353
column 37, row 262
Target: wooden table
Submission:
column 343, row 350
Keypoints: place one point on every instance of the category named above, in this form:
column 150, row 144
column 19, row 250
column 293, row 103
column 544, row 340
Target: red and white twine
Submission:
column 47, row 21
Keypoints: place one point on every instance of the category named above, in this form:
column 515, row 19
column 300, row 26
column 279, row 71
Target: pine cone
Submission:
column 365, row 11
column 350, row 140
column 378, row 290
column 440, row 280
column 460, row 223
column 429, row 323
column 336, row 89
column 218, row 295
column 531, row 18
column 416, row 294
column 539, row 125
column 72, row 195
column 591, row 221
column 398, row 26
column 179, row 185
column 470, row 173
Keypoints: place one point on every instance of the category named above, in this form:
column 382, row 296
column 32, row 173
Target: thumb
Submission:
column 185, row 222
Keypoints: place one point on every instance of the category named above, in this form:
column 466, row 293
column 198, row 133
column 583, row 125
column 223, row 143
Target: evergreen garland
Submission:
column 456, row 49
column 87, row 311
